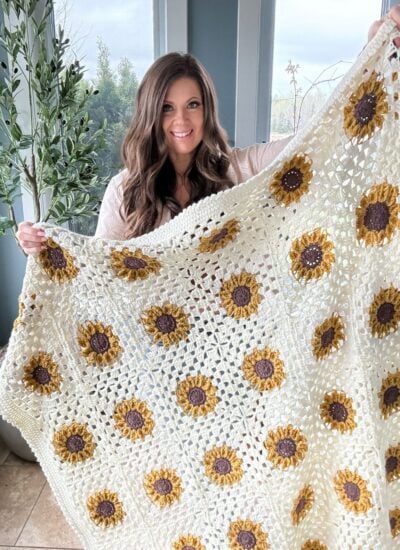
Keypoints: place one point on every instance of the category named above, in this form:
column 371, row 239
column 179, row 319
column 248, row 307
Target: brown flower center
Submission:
column 41, row 375
column 105, row 508
column 222, row 465
column 134, row 419
column 241, row 295
column 365, row 109
column 99, row 342
column 131, row 262
column 352, row 490
column 56, row 257
column 163, row 486
column 393, row 523
column 327, row 337
column 186, row 547
column 166, row 323
column 264, row 368
column 377, row 216
column 292, row 179
column 338, row 411
column 391, row 464
column 391, row 395
column 75, row 443
column 246, row 539
column 197, row 396
column 385, row 312
column 311, row 255
column 220, row 235
column 286, row 447
column 301, row 505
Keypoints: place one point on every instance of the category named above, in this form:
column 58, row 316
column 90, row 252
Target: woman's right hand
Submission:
column 31, row 239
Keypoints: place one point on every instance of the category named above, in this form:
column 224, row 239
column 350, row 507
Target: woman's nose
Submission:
column 181, row 113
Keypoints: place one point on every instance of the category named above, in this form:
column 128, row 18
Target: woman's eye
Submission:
column 194, row 104
column 166, row 108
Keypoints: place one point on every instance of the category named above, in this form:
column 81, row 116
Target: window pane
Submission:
column 114, row 42
column 314, row 41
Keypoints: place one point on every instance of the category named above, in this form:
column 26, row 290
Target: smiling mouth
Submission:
column 181, row 135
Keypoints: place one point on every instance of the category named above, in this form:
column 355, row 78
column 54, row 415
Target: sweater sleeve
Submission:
column 111, row 224
column 249, row 161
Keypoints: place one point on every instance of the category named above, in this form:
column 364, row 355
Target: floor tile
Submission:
column 46, row 525
column 20, row 487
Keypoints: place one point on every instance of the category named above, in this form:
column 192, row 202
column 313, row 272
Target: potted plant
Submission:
column 48, row 144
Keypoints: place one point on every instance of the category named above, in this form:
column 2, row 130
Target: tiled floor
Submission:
column 30, row 518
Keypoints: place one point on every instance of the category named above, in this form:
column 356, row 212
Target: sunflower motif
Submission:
column 392, row 463
column 134, row 419
column 25, row 306
column 293, row 180
column 197, row 395
column 312, row 255
column 328, row 336
column 352, row 491
column 133, row 266
column 239, row 295
column 394, row 521
column 220, row 237
column 384, row 312
column 313, row 545
column 245, row 533
column 286, row 446
column 167, row 324
column 188, row 542
column 19, row 319
column 99, row 345
column 164, row 487
column 337, row 411
column 41, row 374
column 74, row 443
column 378, row 214
column 389, row 395
column 302, row 504
column 264, row 369
column 365, row 110
column 57, row 262
column 105, row 508
column 223, row 466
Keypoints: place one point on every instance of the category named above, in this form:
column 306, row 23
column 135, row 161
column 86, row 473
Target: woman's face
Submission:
column 183, row 119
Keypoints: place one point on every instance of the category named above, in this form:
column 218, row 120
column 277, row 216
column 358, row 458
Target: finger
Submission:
column 374, row 29
column 23, row 225
column 32, row 250
column 27, row 243
column 33, row 234
column 394, row 13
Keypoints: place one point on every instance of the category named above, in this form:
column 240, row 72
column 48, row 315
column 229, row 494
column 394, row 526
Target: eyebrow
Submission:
column 188, row 101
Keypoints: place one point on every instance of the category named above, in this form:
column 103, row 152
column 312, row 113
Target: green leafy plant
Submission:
column 54, row 156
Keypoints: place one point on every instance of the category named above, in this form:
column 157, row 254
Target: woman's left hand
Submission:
column 394, row 13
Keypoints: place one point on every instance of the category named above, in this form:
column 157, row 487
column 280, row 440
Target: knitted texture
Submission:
column 231, row 380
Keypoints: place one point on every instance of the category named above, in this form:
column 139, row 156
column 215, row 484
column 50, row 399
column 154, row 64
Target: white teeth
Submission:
column 181, row 134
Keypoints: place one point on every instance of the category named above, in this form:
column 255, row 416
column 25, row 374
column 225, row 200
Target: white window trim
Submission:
column 255, row 41
column 170, row 26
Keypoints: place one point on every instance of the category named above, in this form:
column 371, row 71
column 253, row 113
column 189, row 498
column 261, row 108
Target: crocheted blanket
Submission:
column 231, row 380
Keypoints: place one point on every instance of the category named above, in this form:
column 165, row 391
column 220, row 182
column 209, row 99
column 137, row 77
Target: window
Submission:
column 314, row 42
column 114, row 42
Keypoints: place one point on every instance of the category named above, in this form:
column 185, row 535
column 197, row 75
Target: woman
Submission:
column 175, row 152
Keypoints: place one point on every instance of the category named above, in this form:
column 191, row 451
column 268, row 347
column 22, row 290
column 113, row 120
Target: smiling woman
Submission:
column 182, row 123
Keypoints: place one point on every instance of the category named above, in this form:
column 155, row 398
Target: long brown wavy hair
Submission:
column 151, row 175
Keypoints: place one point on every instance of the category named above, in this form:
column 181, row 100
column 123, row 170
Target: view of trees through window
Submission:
column 115, row 45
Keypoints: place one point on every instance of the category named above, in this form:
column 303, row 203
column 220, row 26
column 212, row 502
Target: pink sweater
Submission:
column 245, row 163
